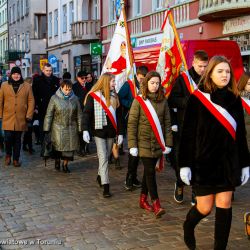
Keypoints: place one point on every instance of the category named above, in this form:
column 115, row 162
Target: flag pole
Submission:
column 129, row 45
column 171, row 19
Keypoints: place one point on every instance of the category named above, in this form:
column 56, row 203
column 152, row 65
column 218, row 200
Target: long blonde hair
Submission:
column 103, row 84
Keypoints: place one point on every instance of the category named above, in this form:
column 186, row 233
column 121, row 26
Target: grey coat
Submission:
column 64, row 120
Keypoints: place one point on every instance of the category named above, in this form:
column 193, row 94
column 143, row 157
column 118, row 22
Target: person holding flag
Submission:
column 102, row 114
column 214, row 156
column 150, row 136
column 177, row 101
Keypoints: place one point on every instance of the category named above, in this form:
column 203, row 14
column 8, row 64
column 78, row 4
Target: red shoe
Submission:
column 16, row 163
column 158, row 210
column 7, row 160
column 144, row 203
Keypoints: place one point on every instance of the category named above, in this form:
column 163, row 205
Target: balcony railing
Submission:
column 222, row 9
column 88, row 30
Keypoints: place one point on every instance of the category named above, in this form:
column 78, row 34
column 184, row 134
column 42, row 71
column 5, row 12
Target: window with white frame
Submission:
column 23, row 42
column 11, row 43
column 13, row 13
column 27, row 7
column 112, row 15
column 10, row 14
column 56, row 22
column 71, row 14
column 27, row 41
column 137, row 7
column 40, row 26
column 95, row 9
column 21, row 8
column 157, row 4
column 64, row 24
column 50, row 25
column 17, row 10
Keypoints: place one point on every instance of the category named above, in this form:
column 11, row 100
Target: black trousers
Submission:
column 27, row 138
column 133, row 162
column 149, row 177
column 13, row 143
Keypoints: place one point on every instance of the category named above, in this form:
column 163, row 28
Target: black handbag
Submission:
column 47, row 147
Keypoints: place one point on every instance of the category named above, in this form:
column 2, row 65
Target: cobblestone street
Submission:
column 44, row 209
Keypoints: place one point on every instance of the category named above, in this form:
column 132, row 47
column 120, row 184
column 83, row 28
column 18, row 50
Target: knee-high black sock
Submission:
column 223, row 219
column 192, row 219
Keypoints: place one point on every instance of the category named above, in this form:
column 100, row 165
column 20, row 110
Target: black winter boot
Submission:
column 117, row 164
column 223, row 219
column 65, row 168
column 106, row 193
column 57, row 164
column 129, row 182
column 192, row 219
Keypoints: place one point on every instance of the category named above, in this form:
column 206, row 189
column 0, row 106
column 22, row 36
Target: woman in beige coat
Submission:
column 16, row 109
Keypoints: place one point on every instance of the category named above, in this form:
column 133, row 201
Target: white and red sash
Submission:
column 220, row 113
column 246, row 104
column 155, row 124
column 191, row 85
column 108, row 110
column 133, row 88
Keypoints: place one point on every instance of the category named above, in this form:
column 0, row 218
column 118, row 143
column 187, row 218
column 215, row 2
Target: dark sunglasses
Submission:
column 84, row 77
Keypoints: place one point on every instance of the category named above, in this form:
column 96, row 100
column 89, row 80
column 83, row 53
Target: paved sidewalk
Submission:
column 43, row 209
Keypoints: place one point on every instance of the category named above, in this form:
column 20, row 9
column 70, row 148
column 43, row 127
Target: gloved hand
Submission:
column 174, row 128
column 167, row 150
column 85, row 136
column 120, row 139
column 186, row 175
column 244, row 175
column 134, row 152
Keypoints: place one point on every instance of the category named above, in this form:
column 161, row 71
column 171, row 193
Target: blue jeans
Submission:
column 13, row 143
column 104, row 147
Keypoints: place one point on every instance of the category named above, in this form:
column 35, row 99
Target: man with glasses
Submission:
column 81, row 88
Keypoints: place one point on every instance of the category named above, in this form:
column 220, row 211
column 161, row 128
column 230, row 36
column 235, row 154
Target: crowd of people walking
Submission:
column 207, row 152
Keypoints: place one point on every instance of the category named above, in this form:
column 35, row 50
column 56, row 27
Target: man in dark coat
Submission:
column 126, row 98
column 177, row 102
column 81, row 87
column 44, row 86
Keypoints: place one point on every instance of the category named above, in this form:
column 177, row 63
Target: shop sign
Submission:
column 149, row 40
column 236, row 25
column 95, row 48
column 42, row 63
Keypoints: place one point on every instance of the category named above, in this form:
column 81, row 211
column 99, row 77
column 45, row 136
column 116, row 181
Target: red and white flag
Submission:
column 119, row 61
column 169, row 61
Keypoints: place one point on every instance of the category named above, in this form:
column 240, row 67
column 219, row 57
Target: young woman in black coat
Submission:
column 211, row 159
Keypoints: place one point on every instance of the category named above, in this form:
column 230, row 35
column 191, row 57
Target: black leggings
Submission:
column 149, row 178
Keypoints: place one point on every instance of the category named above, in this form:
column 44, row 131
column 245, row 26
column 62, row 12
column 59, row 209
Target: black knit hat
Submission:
column 16, row 70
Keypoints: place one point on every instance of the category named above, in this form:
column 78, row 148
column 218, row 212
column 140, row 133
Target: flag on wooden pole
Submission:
column 170, row 61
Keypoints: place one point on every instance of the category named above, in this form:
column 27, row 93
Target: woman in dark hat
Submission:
column 16, row 110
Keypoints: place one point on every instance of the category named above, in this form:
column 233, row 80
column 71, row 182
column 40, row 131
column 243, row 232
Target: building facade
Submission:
column 3, row 35
column 204, row 19
column 27, row 34
column 73, row 27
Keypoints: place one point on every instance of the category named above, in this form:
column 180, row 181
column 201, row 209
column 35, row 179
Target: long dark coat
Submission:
column 215, row 158
column 64, row 120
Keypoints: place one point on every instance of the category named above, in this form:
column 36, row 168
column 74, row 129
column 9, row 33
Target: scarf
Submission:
column 66, row 97
column 100, row 116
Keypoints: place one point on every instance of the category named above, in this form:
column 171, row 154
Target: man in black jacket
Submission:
column 177, row 102
column 81, row 87
column 44, row 86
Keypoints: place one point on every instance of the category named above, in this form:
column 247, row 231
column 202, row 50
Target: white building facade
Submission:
column 72, row 26
column 3, row 35
column 27, row 34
